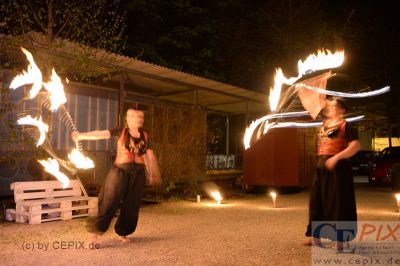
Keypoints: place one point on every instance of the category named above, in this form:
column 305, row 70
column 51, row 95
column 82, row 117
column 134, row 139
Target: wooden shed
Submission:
column 175, row 103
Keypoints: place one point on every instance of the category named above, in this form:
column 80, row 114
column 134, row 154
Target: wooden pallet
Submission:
column 44, row 201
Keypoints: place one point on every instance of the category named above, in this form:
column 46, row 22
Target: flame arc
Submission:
column 33, row 75
column 43, row 128
column 56, row 90
column 52, row 167
column 344, row 94
column 249, row 131
column 323, row 59
column 53, row 98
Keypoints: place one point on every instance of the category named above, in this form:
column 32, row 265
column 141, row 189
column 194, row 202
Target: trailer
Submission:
column 284, row 157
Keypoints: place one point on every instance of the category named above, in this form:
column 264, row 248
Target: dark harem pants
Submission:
column 332, row 197
column 123, row 188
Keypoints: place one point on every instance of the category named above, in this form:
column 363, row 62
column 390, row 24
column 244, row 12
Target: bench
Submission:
column 44, row 201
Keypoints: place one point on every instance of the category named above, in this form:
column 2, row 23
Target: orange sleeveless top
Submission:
column 132, row 155
column 332, row 140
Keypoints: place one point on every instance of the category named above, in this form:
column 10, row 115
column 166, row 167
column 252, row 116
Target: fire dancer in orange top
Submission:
column 126, row 179
column 332, row 196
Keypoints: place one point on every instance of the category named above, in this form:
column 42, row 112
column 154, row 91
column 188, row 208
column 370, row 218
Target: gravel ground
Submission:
column 242, row 231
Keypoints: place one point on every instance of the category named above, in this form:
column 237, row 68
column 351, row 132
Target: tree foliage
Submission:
column 46, row 27
column 96, row 23
column 235, row 41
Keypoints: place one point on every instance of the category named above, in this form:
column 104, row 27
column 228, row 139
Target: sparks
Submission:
column 33, row 75
column 43, row 128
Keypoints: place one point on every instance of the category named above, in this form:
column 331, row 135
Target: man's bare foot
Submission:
column 124, row 239
column 312, row 241
column 94, row 242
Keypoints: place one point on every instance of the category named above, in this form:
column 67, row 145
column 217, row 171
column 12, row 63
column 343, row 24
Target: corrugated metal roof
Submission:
column 163, row 83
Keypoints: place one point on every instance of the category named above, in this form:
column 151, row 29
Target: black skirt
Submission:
column 332, row 199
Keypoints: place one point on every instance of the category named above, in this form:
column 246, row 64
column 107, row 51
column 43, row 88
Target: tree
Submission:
column 179, row 34
column 48, row 24
column 234, row 41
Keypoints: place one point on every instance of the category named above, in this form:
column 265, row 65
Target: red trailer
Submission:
column 284, row 157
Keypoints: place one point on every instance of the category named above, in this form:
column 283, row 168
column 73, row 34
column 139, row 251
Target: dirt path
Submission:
column 242, row 231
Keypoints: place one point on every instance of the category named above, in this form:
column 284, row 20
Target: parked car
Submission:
column 381, row 173
column 362, row 162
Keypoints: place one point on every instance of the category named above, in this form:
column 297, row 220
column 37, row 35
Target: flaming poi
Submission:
column 56, row 98
column 311, row 92
column 52, row 167
column 33, row 75
column 43, row 128
column 56, row 90
column 79, row 160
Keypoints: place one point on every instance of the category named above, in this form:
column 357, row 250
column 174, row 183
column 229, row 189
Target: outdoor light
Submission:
column 398, row 201
column 273, row 196
column 217, row 196
column 198, row 198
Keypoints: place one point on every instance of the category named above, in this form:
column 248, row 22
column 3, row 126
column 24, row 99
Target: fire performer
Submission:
column 332, row 196
column 126, row 179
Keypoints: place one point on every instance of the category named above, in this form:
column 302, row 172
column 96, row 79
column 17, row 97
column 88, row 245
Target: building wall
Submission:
column 179, row 143
column 88, row 113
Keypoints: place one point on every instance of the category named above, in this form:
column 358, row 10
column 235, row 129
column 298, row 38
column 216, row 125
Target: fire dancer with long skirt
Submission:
column 332, row 196
column 124, row 185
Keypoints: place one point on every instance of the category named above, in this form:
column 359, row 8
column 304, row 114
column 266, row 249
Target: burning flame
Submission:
column 249, row 131
column 398, row 197
column 51, row 166
column 31, row 76
column 43, row 128
column 324, row 59
column 80, row 161
column 275, row 92
column 56, row 90
column 273, row 195
column 217, row 196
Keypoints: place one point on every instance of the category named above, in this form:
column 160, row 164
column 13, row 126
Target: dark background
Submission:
column 241, row 42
